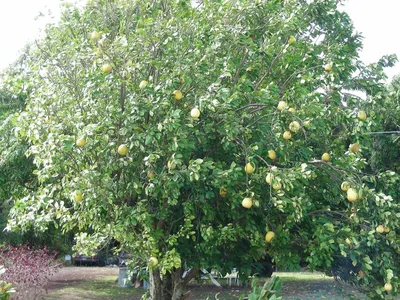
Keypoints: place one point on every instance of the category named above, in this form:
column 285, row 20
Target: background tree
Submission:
column 157, row 123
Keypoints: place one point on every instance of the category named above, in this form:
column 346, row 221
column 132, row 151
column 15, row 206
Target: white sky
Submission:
column 377, row 20
column 18, row 25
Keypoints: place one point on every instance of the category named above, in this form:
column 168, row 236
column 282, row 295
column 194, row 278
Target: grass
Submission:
column 102, row 288
column 296, row 286
column 298, row 276
column 105, row 288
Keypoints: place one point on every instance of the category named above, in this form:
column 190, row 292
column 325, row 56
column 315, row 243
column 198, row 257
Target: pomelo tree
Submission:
column 203, row 135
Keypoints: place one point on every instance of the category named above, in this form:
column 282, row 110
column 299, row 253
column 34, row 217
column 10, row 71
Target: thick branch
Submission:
column 190, row 275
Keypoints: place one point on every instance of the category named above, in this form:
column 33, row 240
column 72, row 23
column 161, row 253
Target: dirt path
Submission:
column 69, row 276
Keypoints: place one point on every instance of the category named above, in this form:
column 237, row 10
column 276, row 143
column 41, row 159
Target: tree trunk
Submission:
column 177, row 287
column 172, row 286
column 155, row 285
column 179, row 284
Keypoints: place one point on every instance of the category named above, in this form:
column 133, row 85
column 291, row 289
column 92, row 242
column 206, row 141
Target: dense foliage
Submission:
column 143, row 115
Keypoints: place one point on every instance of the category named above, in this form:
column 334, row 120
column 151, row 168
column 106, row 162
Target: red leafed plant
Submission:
column 28, row 269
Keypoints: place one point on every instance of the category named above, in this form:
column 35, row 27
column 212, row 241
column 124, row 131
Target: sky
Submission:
column 378, row 22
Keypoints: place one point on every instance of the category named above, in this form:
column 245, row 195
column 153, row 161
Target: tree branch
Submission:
column 190, row 275
column 269, row 69
column 242, row 62
column 329, row 212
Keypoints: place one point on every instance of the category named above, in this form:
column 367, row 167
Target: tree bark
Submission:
column 155, row 285
column 179, row 284
column 172, row 286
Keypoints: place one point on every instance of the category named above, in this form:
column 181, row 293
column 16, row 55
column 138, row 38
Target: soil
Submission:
column 69, row 276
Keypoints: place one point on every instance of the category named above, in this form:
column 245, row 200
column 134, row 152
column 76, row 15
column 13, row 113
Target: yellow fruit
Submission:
column 386, row 229
column 380, row 229
column 269, row 236
column 352, row 195
column 328, row 67
column 123, row 150
column 345, row 186
column 354, row 147
column 361, row 274
column 269, row 178
column 171, row 165
column 326, row 157
column 177, row 95
column 348, row 241
column 81, row 142
column 223, row 192
column 106, row 68
column 388, row 287
column 282, row 105
column 142, row 84
column 277, row 186
column 294, row 126
column 287, row 135
column 247, row 202
column 78, row 197
column 195, row 113
column 291, row 40
column 292, row 110
column 153, row 261
column 272, row 154
column 95, row 36
column 362, row 115
column 249, row 168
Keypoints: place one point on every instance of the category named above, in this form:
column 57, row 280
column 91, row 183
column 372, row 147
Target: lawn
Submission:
column 101, row 288
column 296, row 286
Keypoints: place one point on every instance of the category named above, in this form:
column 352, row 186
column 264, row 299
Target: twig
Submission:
column 328, row 211
column 242, row 62
column 383, row 132
column 269, row 69
column 260, row 118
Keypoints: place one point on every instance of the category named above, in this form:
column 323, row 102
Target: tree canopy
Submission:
column 204, row 136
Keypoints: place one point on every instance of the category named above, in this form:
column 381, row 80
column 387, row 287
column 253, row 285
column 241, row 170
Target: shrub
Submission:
column 28, row 269
column 271, row 290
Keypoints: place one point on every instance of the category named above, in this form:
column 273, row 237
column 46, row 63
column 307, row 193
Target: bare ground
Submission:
column 69, row 276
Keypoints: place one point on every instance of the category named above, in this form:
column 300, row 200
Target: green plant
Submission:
column 271, row 290
column 5, row 288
